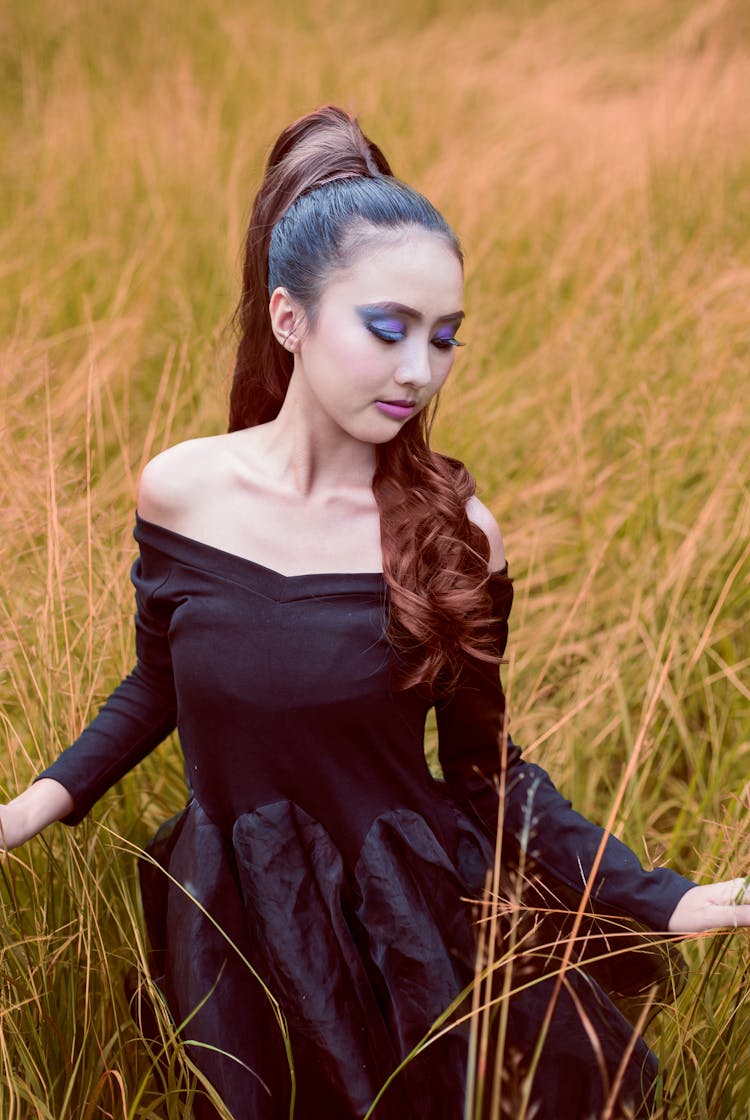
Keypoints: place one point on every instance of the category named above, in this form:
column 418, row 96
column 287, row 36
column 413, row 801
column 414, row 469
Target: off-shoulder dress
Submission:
column 325, row 851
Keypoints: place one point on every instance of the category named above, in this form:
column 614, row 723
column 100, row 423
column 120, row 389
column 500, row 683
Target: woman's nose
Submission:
column 414, row 368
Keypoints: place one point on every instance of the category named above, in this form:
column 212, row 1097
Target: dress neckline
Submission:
column 277, row 585
column 161, row 536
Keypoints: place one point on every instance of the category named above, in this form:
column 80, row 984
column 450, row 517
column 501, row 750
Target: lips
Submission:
column 399, row 410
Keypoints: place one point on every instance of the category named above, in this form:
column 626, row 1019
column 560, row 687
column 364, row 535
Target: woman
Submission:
column 308, row 586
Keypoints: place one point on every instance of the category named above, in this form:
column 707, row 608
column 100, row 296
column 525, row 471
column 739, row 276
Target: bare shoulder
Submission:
column 173, row 482
column 478, row 513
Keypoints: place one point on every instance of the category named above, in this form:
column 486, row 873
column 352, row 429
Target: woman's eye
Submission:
column 394, row 330
column 444, row 342
column 388, row 331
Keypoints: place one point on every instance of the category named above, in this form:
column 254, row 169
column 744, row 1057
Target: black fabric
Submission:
column 336, row 871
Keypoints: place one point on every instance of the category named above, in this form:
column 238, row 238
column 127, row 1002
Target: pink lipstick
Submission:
column 399, row 410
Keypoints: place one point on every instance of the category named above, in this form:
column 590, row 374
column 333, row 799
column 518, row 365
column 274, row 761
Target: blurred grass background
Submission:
column 595, row 159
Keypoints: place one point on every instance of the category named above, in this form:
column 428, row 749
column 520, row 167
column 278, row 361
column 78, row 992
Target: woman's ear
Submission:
column 285, row 318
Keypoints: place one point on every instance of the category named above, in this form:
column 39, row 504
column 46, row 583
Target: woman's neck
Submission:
column 310, row 454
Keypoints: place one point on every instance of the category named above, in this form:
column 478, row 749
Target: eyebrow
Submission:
column 390, row 308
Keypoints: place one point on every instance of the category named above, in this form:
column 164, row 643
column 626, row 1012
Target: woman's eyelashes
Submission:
column 394, row 330
column 445, row 341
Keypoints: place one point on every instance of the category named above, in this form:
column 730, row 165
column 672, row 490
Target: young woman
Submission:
column 308, row 586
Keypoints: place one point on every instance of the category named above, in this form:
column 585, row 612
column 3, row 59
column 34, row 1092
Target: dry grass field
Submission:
column 595, row 158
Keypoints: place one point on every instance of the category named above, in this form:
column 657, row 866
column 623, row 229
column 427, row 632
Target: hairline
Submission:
column 360, row 233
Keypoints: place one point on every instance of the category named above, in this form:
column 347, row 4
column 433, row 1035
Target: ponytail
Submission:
column 324, row 147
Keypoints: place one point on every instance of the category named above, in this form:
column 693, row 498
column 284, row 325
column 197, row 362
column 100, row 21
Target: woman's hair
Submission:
column 326, row 186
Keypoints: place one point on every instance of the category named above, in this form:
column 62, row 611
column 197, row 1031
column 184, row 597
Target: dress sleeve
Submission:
column 142, row 710
column 537, row 819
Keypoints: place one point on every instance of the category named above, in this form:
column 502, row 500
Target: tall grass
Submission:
column 596, row 160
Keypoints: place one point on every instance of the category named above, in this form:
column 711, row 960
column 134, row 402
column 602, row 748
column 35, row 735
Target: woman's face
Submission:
column 384, row 337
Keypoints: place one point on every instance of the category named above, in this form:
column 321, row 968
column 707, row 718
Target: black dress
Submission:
column 335, row 865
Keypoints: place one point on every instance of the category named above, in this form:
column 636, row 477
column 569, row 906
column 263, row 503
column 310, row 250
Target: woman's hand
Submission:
column 26, row 815
column 714, row 906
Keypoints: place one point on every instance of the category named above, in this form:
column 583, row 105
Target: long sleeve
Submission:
column 537, row 819
column 138, row 715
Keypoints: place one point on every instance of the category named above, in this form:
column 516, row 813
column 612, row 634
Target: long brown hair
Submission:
column 326, row 185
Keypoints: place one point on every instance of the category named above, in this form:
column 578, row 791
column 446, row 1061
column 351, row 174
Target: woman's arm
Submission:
column 141, row 711
column 26, row 815
column 479, row 758
column 539, row 821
